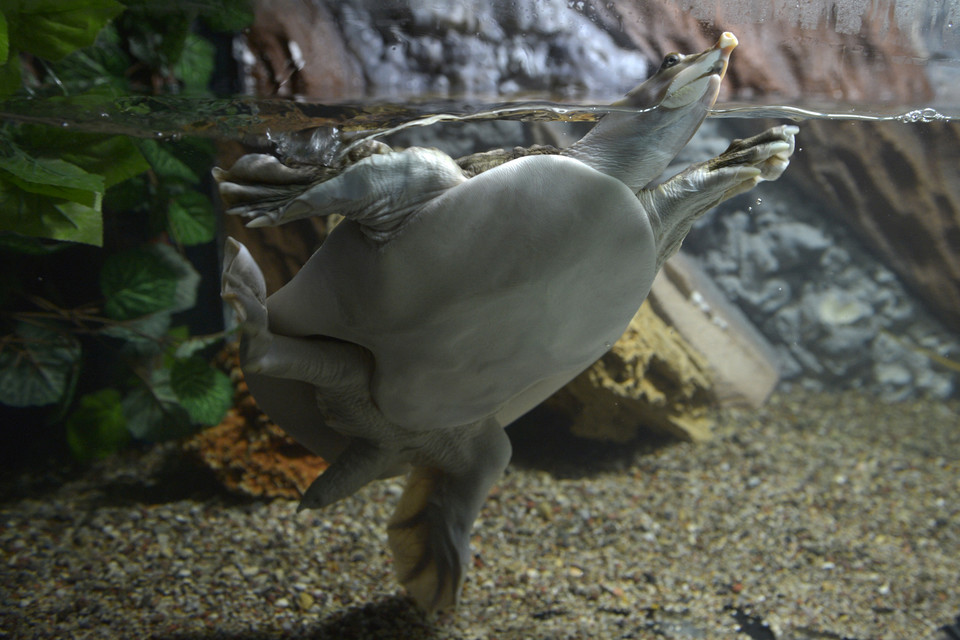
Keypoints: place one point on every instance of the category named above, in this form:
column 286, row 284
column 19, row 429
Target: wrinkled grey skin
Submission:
column 445, row 306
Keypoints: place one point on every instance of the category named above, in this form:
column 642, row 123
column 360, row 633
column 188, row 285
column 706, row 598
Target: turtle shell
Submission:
column 490, row 297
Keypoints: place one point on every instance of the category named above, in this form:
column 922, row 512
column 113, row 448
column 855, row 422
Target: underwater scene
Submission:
column 480, row 319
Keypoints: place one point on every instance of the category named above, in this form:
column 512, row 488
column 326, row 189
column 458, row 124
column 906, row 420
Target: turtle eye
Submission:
column 671, row 60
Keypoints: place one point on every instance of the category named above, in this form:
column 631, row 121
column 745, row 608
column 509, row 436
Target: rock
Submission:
column 832, row 312
column 895, row 185
column 838, row 308
column 651, row 380
column 686, row 350
column 424, row 47
column 254, row 459
column 742, row 365
column 295, row 48
column 797, row 51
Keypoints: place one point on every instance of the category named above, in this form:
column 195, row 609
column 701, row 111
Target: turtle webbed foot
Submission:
column 430, row 554
column 429, row 534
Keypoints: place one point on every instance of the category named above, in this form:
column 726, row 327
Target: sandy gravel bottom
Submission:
column 818, row 517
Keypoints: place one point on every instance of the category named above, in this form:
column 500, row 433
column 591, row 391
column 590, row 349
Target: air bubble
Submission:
column 922, row 115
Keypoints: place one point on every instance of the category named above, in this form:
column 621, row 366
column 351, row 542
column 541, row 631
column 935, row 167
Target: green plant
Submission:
column 94, row 228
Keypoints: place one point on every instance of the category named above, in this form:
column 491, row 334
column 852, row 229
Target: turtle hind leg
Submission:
column 429, row 533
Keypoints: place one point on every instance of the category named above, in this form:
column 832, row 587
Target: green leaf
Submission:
column 51, row 29
column 203, row 391
column 97, row 428
column 146, row 280
column 143, row 335
column 4, row 40
column 164, row 163
column 137, row 282
column 49, row 197
column 131, row 196
column 185, row 295
column 29, row 245
column 42, row 216
column 153, row 412
column 191, row 219
column 227, row 15
column 101, row 68
column 195, row 66
column 96, row 71
column 114, row 158
column 36, row 365
column 10, row 76
column 79, row 223
column 50, row 176
column 155, row 35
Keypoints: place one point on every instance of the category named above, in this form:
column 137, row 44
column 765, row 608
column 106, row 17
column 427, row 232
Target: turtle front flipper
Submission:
column 429, row 533
column 675, row 205
column 258, row 185
column 379, row 192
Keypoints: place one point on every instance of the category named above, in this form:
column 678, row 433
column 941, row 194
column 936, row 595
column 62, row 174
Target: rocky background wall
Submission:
column 845, row 273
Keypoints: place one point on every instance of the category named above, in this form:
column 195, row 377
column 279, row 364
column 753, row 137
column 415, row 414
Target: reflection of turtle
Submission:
column 445, row 306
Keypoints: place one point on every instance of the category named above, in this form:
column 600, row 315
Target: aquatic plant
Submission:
column 95, row 229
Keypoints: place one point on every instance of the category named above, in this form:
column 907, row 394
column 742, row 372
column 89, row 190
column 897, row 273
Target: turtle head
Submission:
column 636, row 144
column 684, row 81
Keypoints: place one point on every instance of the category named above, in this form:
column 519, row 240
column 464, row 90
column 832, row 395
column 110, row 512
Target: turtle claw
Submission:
column 257, row 185
column 243, row 285
column 769, row 151
column 245, row 290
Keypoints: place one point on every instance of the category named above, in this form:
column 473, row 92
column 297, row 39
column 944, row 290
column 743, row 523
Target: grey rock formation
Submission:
column 477, row 48
column 838, row 317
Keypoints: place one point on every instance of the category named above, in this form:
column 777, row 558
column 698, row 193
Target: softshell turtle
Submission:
column 445, row 306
